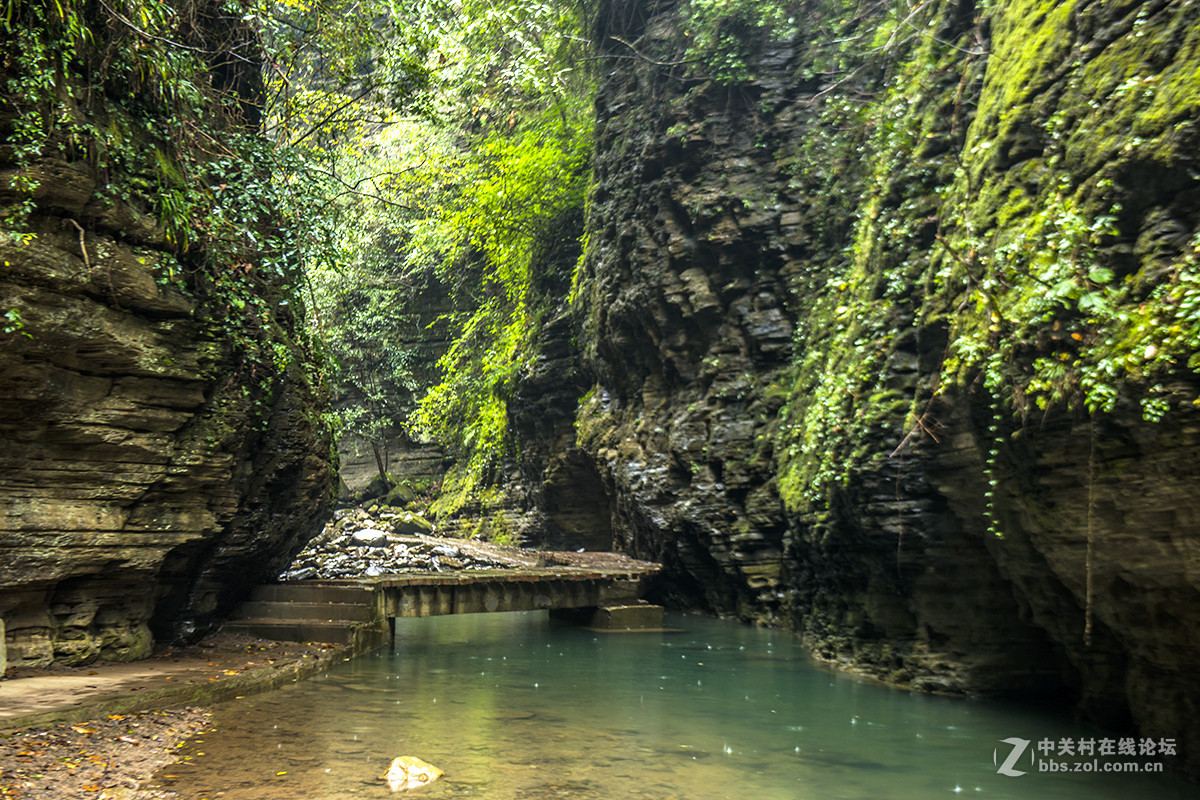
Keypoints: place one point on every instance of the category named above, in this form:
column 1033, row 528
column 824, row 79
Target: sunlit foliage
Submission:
column 456, row 203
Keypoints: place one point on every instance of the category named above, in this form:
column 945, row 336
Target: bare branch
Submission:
column 649, row 60
column 129, row 23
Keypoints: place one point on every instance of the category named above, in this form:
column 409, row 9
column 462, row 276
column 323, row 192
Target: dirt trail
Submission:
column 101, row 730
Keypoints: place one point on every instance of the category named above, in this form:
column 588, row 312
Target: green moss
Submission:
column 169, row 171
column 842, row 414
column 1053, row 313
column 455, row 493
column 1038, row 190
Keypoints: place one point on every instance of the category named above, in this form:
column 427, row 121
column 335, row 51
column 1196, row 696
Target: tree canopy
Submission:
column 440, row 212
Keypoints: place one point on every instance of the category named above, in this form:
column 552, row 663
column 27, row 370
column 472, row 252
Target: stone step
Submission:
column 305, row 612
column 296, row 630
column 265, row 609
column 312, row 593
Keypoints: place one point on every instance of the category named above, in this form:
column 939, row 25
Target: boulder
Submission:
column 370, row 537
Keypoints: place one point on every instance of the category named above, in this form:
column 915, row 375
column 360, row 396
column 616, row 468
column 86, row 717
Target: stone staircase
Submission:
column 309, row 612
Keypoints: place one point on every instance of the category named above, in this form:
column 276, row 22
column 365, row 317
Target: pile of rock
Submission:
column 380, row 540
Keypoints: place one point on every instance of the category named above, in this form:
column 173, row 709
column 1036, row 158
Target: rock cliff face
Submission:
column 150, row 472
column 552, row 495
column 784, row 280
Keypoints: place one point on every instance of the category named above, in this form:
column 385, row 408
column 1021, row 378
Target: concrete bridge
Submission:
column 601, row 590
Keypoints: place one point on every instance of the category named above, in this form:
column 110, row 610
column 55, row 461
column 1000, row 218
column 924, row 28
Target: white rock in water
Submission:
column 410, row 772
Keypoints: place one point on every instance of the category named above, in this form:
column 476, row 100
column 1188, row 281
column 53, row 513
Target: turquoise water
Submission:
column 513, row 706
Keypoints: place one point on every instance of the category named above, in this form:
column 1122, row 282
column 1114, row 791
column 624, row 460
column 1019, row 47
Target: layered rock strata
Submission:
column 140, row 488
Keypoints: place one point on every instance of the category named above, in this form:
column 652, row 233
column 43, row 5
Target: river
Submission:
column 514, row 706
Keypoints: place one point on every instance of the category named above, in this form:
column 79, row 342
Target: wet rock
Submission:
column 410, row 772
column 304, row 573
column 400, row 495
column 378, row 487
column 412, row 523
column 689, row 311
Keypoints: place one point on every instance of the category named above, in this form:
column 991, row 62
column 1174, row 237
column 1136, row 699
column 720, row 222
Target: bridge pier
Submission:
column 639, row 616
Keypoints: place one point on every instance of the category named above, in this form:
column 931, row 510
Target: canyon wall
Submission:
column 163, row 448
column 878, row 331
column 884, row 331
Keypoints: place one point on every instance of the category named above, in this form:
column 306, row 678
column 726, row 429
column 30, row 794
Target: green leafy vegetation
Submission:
column 398, row 172
column 1010, row 228
column 445, row 233
column 520, row 193
column 409, row 181
column 165, row 103
column 1085, row 325
column 871, row 242
column 13, row 323
column 722, row 33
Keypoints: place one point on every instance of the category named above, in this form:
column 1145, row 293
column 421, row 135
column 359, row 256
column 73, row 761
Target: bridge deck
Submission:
column 518, row 589
column 498, row 576
column 334, row 609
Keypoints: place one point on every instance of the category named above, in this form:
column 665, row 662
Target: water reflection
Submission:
column 511, row 706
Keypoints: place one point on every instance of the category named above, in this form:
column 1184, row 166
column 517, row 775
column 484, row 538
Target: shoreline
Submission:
column 102, row 730
column 110, row 757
